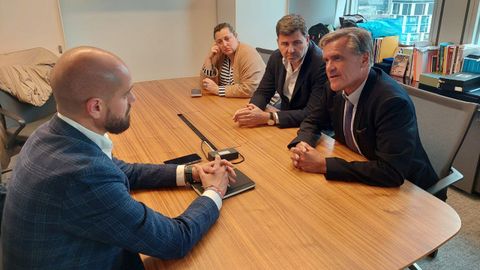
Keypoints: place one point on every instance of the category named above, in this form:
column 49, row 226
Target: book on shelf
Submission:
column 376, row 48
column 422, row 60
column 450, row 58
column 408, row 51
column 471, row 63
column 443, row 51
column 431, row 79
column 464, row 51
column 432, row 61
column 399, row 66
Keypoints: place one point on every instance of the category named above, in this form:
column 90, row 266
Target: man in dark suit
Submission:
column 295, row 71
column 370, row 113
column 68, row 204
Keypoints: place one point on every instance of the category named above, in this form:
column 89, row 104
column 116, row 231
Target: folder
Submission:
column 460, row 82
column 388, row 47
column 242, row 184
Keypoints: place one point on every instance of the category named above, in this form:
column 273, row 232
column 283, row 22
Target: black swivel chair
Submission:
column 21, row 119
column 264, row 53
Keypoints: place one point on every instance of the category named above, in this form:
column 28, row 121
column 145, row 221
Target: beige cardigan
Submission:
column 248, row 68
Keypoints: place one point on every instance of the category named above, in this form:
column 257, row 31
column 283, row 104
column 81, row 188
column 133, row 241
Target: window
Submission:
column 423, row 28
column 396, row 8
column 411, row 28
column 474, row 29
column 412, row 19
column 406, row 9
column 416, row 15
column 419, row 9
column 430, row 9
column 426, row 19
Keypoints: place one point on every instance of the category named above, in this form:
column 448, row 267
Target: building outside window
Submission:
column 416, row 16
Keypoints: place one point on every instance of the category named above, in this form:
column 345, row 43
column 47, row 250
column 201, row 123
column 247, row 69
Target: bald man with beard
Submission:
column 68, row 204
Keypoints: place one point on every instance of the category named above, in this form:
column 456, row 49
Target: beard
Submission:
column 117, row 125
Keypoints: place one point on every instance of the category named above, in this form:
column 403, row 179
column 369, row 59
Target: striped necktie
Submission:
column 347, row 126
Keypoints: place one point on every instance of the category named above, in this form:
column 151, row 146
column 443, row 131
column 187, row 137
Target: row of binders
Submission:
column 464, row 82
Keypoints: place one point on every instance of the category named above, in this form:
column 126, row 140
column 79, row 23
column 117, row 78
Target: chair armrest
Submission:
column 13, row 116
column 445, row 182
column 21, row 124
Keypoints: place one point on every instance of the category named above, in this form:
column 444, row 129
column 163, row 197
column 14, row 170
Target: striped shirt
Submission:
column 225, row 78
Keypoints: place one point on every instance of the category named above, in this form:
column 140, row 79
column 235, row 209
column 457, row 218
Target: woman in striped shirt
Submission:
column 231, row 69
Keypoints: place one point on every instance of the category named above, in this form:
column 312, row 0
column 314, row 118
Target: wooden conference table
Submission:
column 291, row 219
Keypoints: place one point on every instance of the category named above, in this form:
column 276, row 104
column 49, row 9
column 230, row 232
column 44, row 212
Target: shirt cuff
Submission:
column 214, row 196
column 221, row 91
column 209, row 72
column 181, row 175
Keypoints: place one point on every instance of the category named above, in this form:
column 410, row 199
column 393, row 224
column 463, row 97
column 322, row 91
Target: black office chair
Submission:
column 443, row 123
column 21, row 119
column 264, row 53
column 275, row 101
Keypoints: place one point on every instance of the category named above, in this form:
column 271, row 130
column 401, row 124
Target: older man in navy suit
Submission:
column 370, row 113
column 68, row 204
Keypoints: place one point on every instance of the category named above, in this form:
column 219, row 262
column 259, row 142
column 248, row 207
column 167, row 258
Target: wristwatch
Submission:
column 271, row 121
column 188, row 172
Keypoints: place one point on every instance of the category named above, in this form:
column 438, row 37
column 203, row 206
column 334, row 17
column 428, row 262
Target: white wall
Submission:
column 256, row 21
column 168, row 38
column 452, row 20
column 226, row 12
column 27, row 24
column 156, row 39
column 314, row 11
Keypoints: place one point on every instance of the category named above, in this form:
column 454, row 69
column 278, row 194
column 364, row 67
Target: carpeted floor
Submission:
column 462, row 251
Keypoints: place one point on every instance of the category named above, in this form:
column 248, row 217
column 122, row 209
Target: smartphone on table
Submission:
column 196, row 92
column 184, row 160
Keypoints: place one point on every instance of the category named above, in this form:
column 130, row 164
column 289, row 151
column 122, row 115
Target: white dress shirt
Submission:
column 290, row 81
column 354, row 97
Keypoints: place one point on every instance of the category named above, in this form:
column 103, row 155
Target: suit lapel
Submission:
column 363, row 105
column 300, row 80
column 303, row 69
column 281, row 79
column 339, row 102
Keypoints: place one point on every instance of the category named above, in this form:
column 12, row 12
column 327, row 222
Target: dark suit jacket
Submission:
column 385, row 128
column 307, row 92
column 68, row 207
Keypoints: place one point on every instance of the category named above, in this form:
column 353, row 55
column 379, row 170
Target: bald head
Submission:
column 83, row 73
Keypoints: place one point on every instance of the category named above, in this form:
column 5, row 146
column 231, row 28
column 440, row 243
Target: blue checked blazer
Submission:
column 68, row 207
